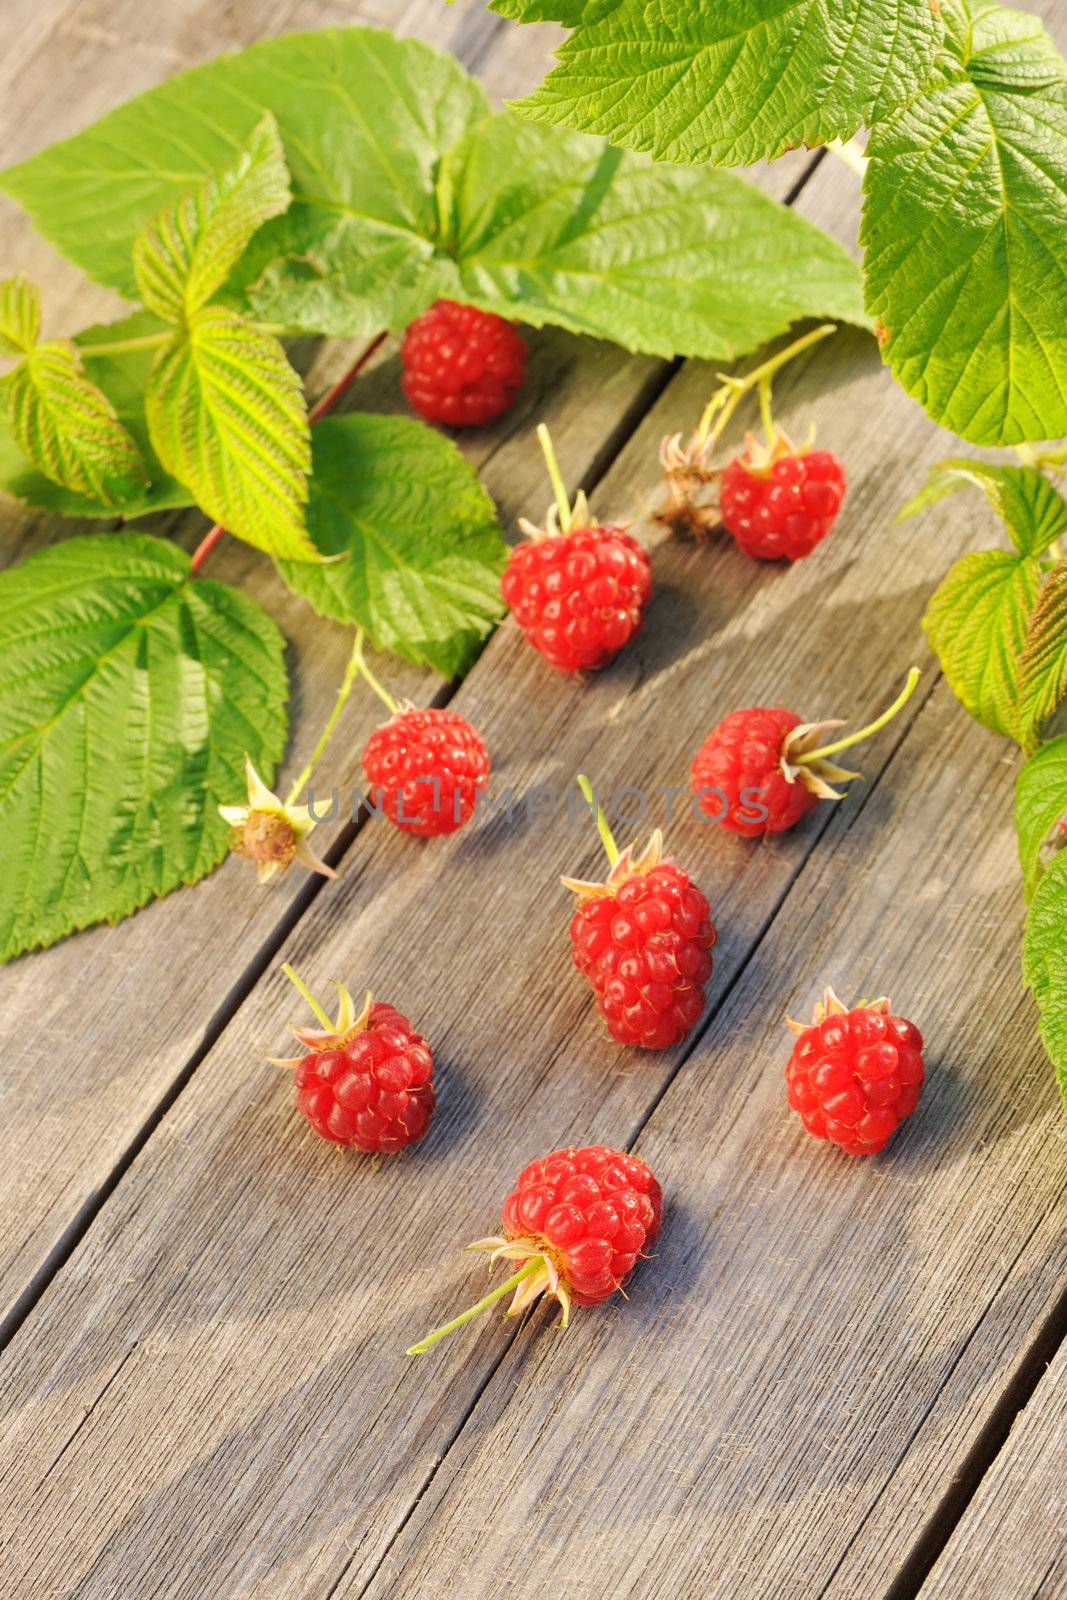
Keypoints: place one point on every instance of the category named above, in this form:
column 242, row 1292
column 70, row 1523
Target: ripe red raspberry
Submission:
column 365, row 1081
column 741, row 770
column 425, row 769
column 461, row 366
column 761, row 769
column 576, row 1222
column 778, row 505
column 643, row 939
column 577, row 596
column 855, row 1075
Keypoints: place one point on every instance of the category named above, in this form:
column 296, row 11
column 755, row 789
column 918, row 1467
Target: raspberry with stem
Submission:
column 366, row 1080
column 763, row 758
column 643, row 939
column 692, row 506
column 855, row 1073
column 425, row 767
column 576, row 589
column 577, row 1222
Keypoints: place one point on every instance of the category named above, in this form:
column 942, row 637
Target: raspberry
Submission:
column 576, row 1222
column 575, row 588
column 365, row 1081
column 779, row 508
column 578, row 596
column 425, row 769
column 855, row 1075
column 761, row 769
column 742, row 764
column 643, row 939
column 461, row 366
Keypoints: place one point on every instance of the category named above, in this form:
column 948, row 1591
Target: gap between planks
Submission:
column 487, row 34
column 688, row 1049
column 504, row 1352
column 717, row 569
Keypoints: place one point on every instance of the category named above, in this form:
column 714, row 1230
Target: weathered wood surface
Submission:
column 211, row 1396
column 67, row 1133
column 1013, row 1538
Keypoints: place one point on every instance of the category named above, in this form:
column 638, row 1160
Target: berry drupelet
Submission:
column 365, row 1082
column 643, row 939
column 855, row 1075
column 761, row 769
column 461, row 366
column 577, row 590
column 576, row 1223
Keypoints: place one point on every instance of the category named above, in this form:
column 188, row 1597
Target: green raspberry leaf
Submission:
column 1045, row 962
column 364, row 119
column 965, row 228
column 20, row 315
column 1030, row 507
column 410, row 191
column 569, row 12
column 122, row 379
column 424, row 552
column 128, row 697
column 185, row 254
column 732, row 82
column 227, row 417
column 1041, row 809
column 560, row 228
column 68, row 427
column 976, row 622
column 1043, row 666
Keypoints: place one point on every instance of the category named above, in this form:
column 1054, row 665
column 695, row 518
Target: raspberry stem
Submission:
column 559, row 488
column 527, row 1270
column 308, row 996
column 360, row 666
column 765, row 414
column 851, row 153
column 338, row 706
column 606, row 836
column 725, row 401
column 872, row 727
column 205, row 547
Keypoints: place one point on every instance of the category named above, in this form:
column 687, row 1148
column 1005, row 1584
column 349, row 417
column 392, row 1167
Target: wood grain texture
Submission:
column 65, row 1130
column 211, row 1398
column 222, row 1357
column 819, row 1341
column 799, row 1371
column 1013, row 1538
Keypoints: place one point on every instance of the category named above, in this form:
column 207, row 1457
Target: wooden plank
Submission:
column 67, row 1133
column 818, row 1343
column 223, row 1354
column 1013, row 1539
column 801, row 1369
